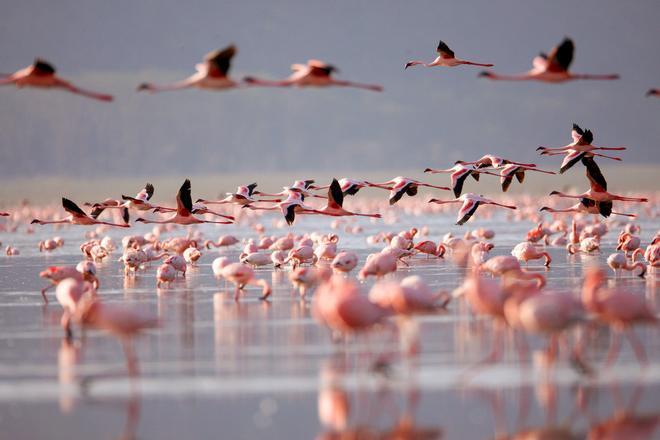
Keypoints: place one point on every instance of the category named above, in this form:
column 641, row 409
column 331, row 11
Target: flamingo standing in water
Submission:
column 445, row 58
column 78, row 217
column 459, row 173
column 403, row 185
column 212, row 74
column 551, row 68
column 470, row 203
column 184, row 208
column 313, row 74
column 41, row 74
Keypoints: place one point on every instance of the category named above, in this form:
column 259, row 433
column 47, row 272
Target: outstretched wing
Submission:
column 251, row 188
column 72, row 208
column 219, row 61
column 43, row 66
column 184, row 204
column 468, row 208
column 444, row 50
column 595, row 176
column 335, row 195
column 605, row 208
column 290, row 214
column 571, row 159
column 561, row 56
column 146, row 193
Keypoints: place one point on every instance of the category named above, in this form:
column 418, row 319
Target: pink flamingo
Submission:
column 140, row 202
column 55, row 274
column 212, row 74
column 241, row 275
column 470, row 203
column 551, row 68
column 184, row 208
column 504, row 265
column 410, row 296
column 403, row 185
column 313, row 74
column 588, row 206
column 618, row 261
column 445, row 58
column 509, row 171
column 618, row 308
column 41, row 74
column 334, row 207
column 459, row 173
column 290, row 207
column 76, row 217
column 165, row 274
column 430, row 249
column 526, row 251
column 490, row 160
column 69, row 293
column 602, row 199
column 344, row 261
column 378, row 265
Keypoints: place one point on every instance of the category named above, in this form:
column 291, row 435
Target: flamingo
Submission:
column 505, row 265
column 55, row 274
column 588, row 206
column 335, row 208
column 459, row 173
column 244, row 195
column 313, row 74
column 577, row 149
column 651, row 254
column 165, row 274
column 211, row 74
column 78, row 217
column 241, row 275
column 508, row 172
column 551, row 68
column 526, row 251
column 290, row 207
column 184, row 207
column 344, row 261
column 602, row 199
column 349, row 187
column 410, row 296
column 618, row 261
column 490, row 160
column 470, row 203
column 41, row 74
column 445, row 58
column 618, row 308
column 653, row 92
column 140, row 202
column 403, row 185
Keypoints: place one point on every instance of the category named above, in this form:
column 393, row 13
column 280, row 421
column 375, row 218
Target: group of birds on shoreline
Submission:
column 213, row 73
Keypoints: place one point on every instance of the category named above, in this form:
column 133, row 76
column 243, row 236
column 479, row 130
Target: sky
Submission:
column 424, row 117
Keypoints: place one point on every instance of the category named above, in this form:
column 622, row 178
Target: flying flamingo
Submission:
column 582, row 140
column 618, row 308
column 140, row 202
column 552, row 68
column 184, row 208
column 41, row 74
column 602, row 198
column 459, row 173
column 490, row 160
column 470, row 203
column 653, row 92
column 211, row 74
column 334, row 207
column 349, row 187
column 290, row 207
column 589, row 206
column 244, row 195
column 445, row 58
column 313, row 74
column 403, row 185
column 508, row 172
column 77, row 217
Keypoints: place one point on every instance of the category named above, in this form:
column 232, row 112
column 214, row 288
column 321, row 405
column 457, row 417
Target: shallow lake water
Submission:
column 217, row 368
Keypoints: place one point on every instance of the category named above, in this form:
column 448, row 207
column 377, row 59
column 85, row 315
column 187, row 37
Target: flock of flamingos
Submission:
column 498, row 287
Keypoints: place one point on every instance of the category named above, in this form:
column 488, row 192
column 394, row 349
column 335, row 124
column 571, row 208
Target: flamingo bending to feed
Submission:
column 55, row 274
column 403, row 185
column 470, row 203
column 445, row 58
column 506, row 266
column 184, row 208
column 140, row 202
column 117, row 319
column 618, row 308
column 212, row 74
column 241, row 275
column 651, row 254
column 459, row 173
column 411, row 295
column 41, row 74
column 551, row 68
column 618, row 261
column 313, row 74
column 526, row 251
column 78, row 217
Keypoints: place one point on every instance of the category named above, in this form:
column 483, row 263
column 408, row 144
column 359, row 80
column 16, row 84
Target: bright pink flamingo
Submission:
column 244, row 195
column 403, row 185
column 313, row 74
column 430, row 249
column 184, row 208
column 76, row 217
column 445, row 58
column 602, row 198
column 69, row 293
column 619, row 309
column 587, row 206
column 470, row 203
column 334, row 207
column 651, row 254
column 41, row 74
column 551, row 68
column 618, row 261
column 212, row 74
